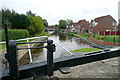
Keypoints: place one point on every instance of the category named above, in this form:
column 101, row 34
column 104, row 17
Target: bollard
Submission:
column 50, row 49
column 13, row 61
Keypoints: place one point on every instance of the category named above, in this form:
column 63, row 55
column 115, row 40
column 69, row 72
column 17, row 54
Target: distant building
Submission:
column 103, row 23
column 51, row 29
column 77, row 27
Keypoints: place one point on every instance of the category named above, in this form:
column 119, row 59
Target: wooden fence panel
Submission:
column 109, row 33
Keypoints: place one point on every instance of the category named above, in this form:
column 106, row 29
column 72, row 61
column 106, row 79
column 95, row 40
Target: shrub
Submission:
column 14, row 34
column 31, row 30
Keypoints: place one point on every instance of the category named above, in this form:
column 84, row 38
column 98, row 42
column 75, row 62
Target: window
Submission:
column 93, row 24
column 78, row 25
column 72, row 26
column 114, row 24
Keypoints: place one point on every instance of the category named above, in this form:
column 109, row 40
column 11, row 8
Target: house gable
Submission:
column 104, row 23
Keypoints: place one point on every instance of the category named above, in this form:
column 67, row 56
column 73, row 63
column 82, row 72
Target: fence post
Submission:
column 13, row 61
column 50, row 50
column 114, row 40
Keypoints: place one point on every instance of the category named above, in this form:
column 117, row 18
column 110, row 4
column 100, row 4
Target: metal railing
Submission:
column 27, row 39
column 48, row 67
column 13, row 61
column 61, row 46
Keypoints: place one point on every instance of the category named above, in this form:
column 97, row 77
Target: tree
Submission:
column 7, row 16
column 29, row 13
column 54, row 25
column 62, row 24
column 36, row 25
column 45, row 22
column 30, row 21
column 69, row 21
column 14, row 20
column 20, row 21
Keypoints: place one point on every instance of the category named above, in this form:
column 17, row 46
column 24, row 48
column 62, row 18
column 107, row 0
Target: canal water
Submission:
column 69, row 43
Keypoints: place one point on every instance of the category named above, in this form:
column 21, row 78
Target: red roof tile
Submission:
column 104, row 23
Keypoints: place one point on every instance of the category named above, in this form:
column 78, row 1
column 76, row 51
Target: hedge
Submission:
column 14, row 34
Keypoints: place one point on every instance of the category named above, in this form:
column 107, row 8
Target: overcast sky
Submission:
column 119, row 10
column 54, row 10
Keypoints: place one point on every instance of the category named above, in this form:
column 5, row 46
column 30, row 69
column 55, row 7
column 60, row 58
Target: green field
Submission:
column 86, row 50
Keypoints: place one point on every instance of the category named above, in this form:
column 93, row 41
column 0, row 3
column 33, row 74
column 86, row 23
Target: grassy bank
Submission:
column 70, row 33
column 3, row 46
column 106, row 38
column 42, row 34
column 86, row 50
column 83, row 35
column 114, row 38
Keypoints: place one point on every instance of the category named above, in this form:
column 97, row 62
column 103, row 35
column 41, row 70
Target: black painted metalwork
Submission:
column 48, row 67
column 31, row 42
column 41, row 67
column 7, row 37
column 50, row 49
column 12, row 58
column 32, row 48
column 13, row 61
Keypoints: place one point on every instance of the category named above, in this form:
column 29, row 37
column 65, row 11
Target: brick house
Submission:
column 77, row 27
column 99, row 24
column 103, row 23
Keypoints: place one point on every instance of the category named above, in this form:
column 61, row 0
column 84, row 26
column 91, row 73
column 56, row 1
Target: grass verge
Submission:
column 83, row 35
column 3, row 46
column 86, row 50
column 70, row 34
column 42, row 34
column 113, row 38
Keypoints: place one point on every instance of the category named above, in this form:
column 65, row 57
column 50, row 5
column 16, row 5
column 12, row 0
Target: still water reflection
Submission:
column 70, row 43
